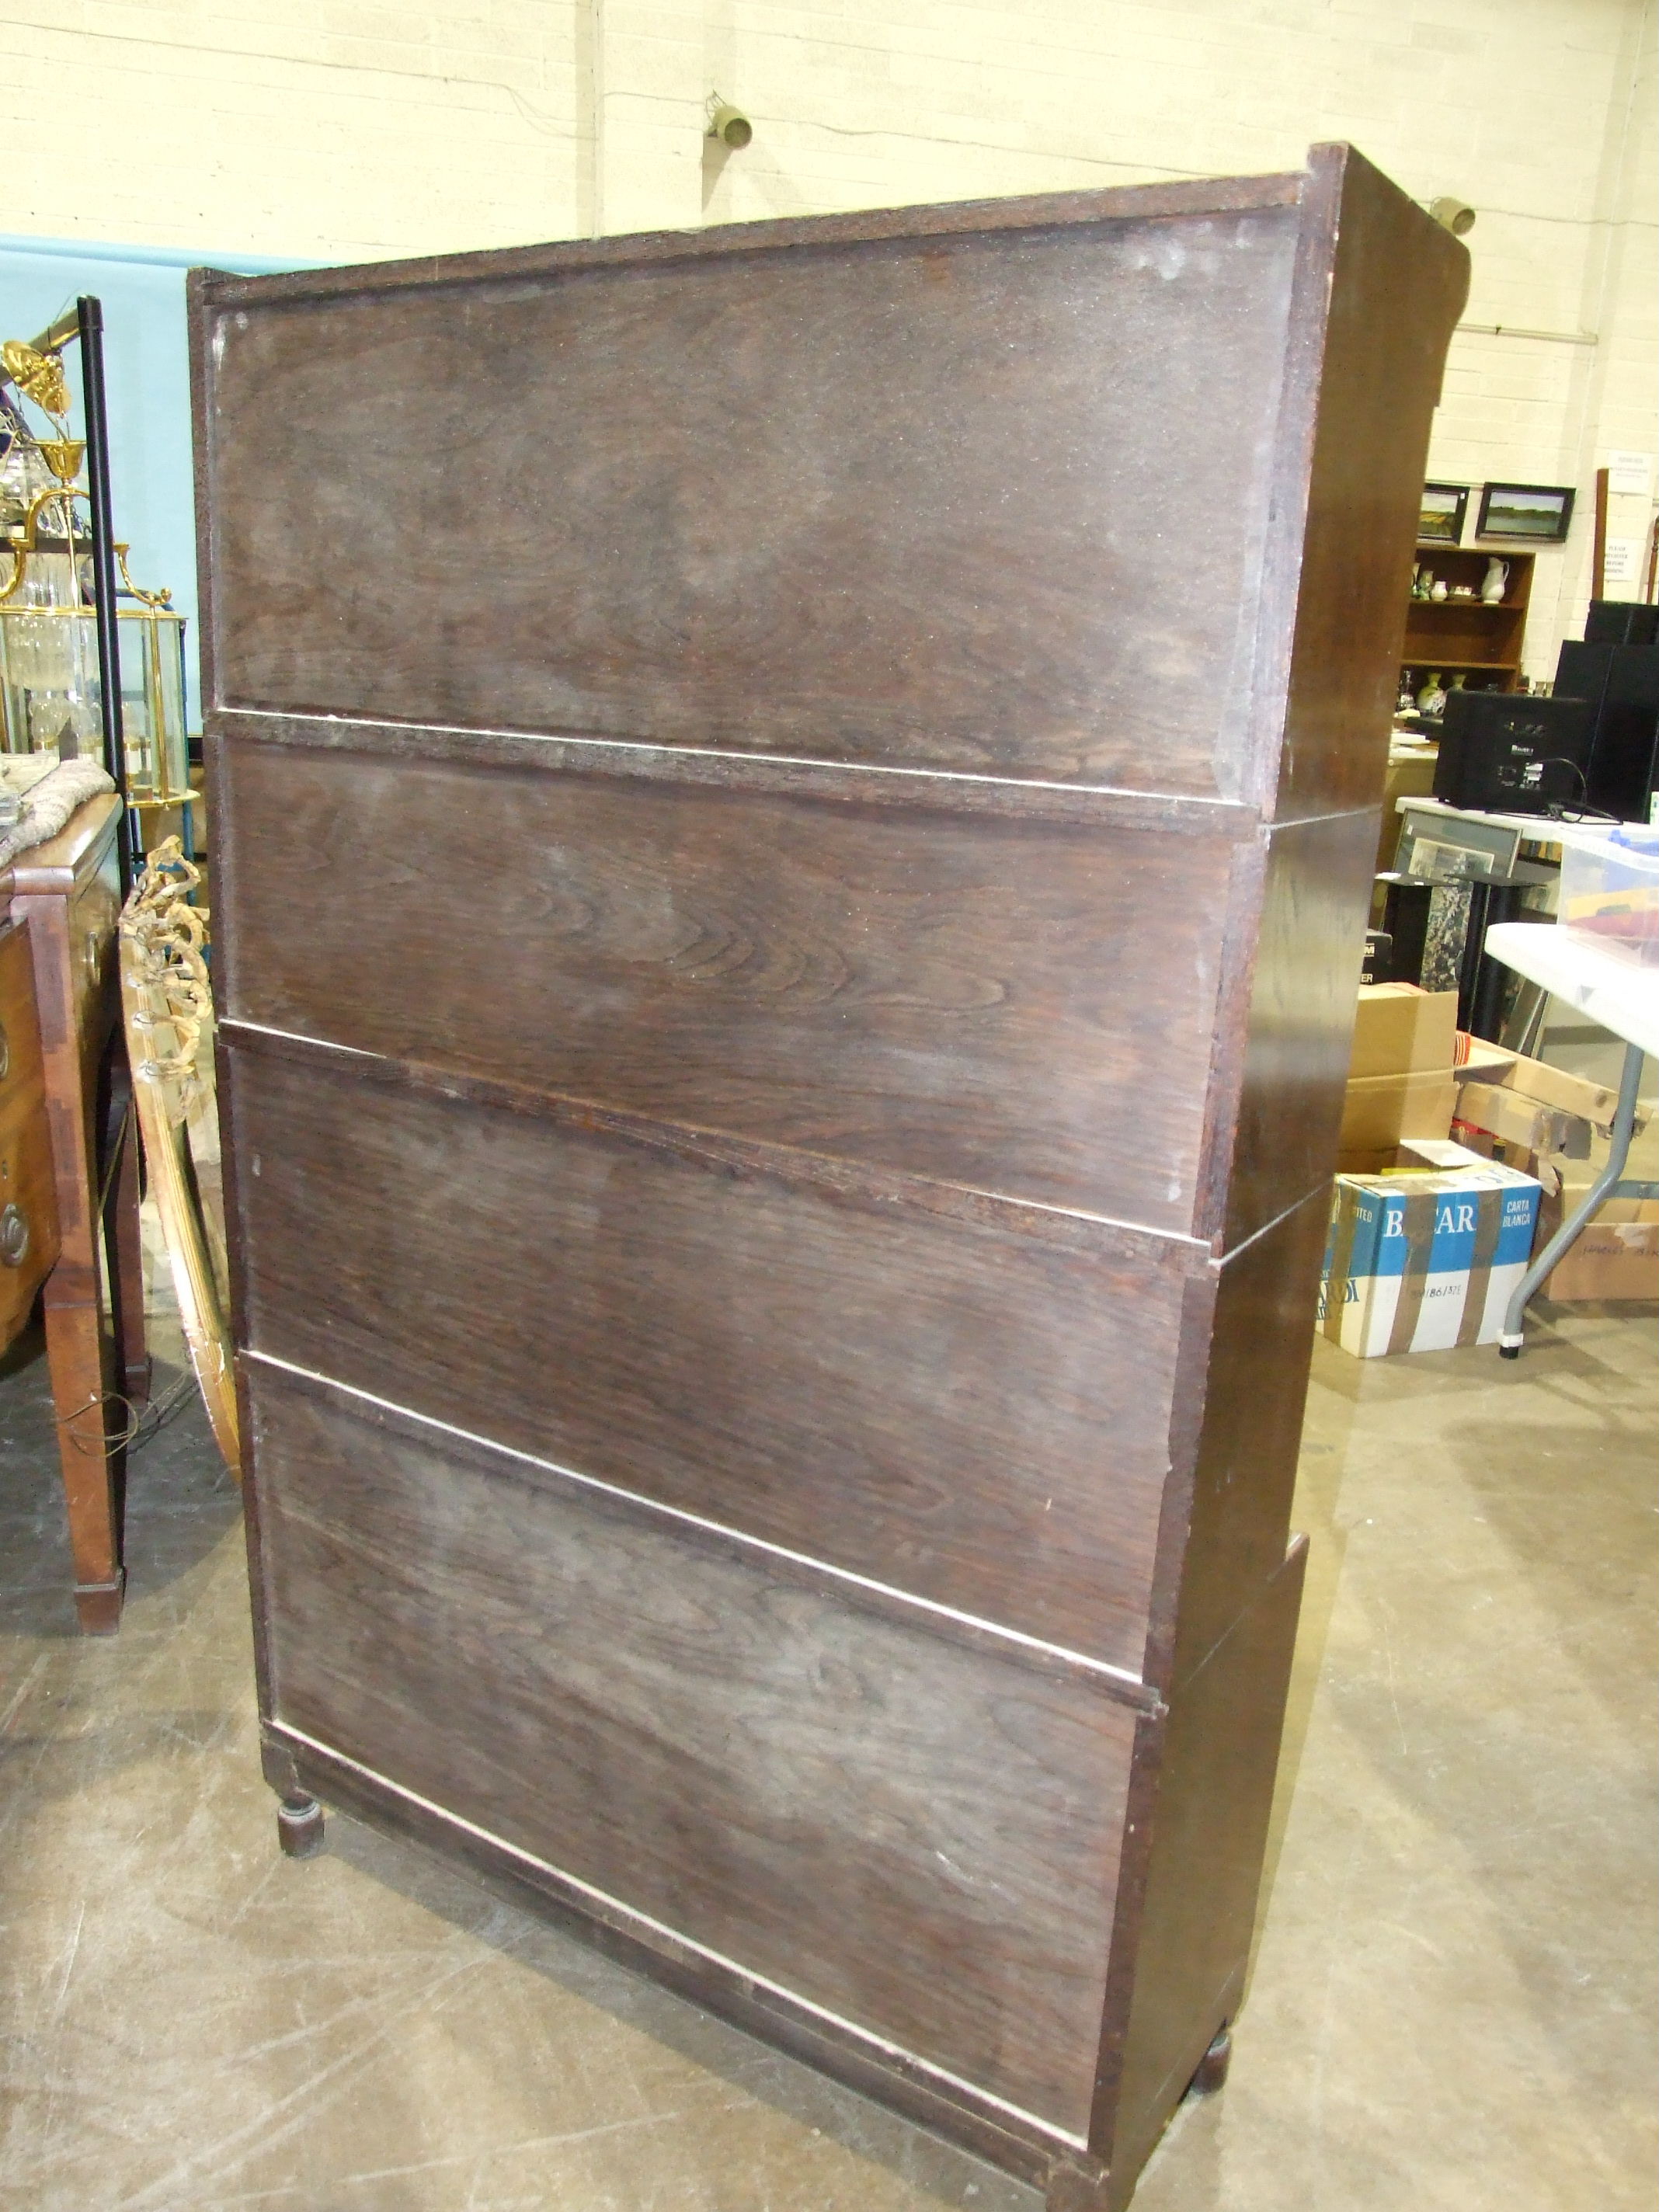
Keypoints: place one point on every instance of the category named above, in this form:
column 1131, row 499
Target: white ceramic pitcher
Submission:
column 1496, row 581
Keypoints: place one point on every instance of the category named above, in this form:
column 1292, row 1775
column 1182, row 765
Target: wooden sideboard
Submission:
column 29, row 1197
column 67, row 894
column 794, row 809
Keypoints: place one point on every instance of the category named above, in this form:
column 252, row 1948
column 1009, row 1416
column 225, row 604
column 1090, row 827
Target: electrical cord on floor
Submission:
column 143, row 1423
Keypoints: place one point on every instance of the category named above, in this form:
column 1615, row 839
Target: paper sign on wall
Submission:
column 1624, row 556
column 1631, row 473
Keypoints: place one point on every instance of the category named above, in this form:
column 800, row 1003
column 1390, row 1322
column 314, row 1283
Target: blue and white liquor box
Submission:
column 1428, row 1255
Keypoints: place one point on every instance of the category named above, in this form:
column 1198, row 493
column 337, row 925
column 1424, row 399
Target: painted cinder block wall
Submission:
column 341, row 129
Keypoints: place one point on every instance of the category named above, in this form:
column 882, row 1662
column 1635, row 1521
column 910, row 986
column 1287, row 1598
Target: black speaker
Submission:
column 1505, row 753
column 1621, row 622
column 1581, row 672
column 1621, row 683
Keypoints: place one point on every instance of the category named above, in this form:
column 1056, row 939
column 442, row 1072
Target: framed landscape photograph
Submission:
column 1441, row 520
column 1539, row 511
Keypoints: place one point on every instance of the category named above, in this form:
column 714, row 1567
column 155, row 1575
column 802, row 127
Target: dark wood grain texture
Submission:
column 909, row 502
column 920, row 1840
column 1276, row 1101
column 856, row 783
column 944, row 219
column 875, row 983
column 1204, row 1792
column 1235, row 1439
column 1366, row 365
column 985, row 1415
column 979, row 2123
column 791, row 891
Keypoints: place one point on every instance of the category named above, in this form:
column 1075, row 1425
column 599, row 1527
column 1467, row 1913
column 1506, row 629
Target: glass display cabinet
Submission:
column 50, row 687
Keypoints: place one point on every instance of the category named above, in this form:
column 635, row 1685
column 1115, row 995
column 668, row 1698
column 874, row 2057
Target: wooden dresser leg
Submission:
column 92, row 1475
column 300, row 1825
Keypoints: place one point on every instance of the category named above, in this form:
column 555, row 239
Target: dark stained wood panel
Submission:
column 793, row 813
column 941, row 219
column 987, row 1415
column 918, row 1838
column 1236, row 1437
column 1192, row 1870
column 1364, row 405
column 994, row 503
column 1276, row 1095
column 1024, row 1007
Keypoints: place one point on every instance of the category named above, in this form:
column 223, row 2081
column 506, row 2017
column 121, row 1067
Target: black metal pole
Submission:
column 89, row 313
column 1468, row 966
column 1491, row 977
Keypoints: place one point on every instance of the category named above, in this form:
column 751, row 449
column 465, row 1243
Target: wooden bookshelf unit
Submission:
column 756, row 1437
column 1466, row 637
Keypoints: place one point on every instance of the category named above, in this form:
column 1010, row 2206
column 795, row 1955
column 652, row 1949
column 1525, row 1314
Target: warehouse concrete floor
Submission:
column 1452, row 2003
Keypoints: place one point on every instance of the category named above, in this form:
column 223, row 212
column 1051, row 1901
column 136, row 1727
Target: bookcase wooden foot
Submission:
column 300, row 1827
column 1078, row 2186
column 1213, row 2066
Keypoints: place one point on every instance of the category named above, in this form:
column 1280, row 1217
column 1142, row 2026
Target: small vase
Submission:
column 1495, row 582
column 1431, row 700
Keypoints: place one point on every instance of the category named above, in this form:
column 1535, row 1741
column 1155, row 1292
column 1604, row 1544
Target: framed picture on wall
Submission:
column 1441, row 520
column 1539, row 511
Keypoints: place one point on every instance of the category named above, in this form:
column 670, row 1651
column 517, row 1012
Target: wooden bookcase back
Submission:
column 794, row 811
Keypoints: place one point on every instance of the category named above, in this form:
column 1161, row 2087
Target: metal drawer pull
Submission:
column 14, row 1236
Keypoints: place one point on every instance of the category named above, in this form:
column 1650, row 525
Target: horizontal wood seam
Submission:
column 1283, row 825
column 1124, row 1686
column 856, row 1180
column 277, row 1726
column 1225, row 1258
column 790, row 775
column 1036, row 212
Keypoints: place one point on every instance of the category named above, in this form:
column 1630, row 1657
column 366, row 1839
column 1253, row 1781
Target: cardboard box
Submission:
column 1399, row 1029
column 1616, row 1256
column 1382, row 1112
column 1528, row 1122
column 1535, row 1080
column 1617, row 1253
column 1401, row 1083
column 1481, row 1062
column 1427, row 1254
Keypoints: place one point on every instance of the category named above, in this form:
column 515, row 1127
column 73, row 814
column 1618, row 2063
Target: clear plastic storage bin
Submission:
column 1610, row 891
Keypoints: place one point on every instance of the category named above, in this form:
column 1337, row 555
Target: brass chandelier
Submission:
column 50, row 694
